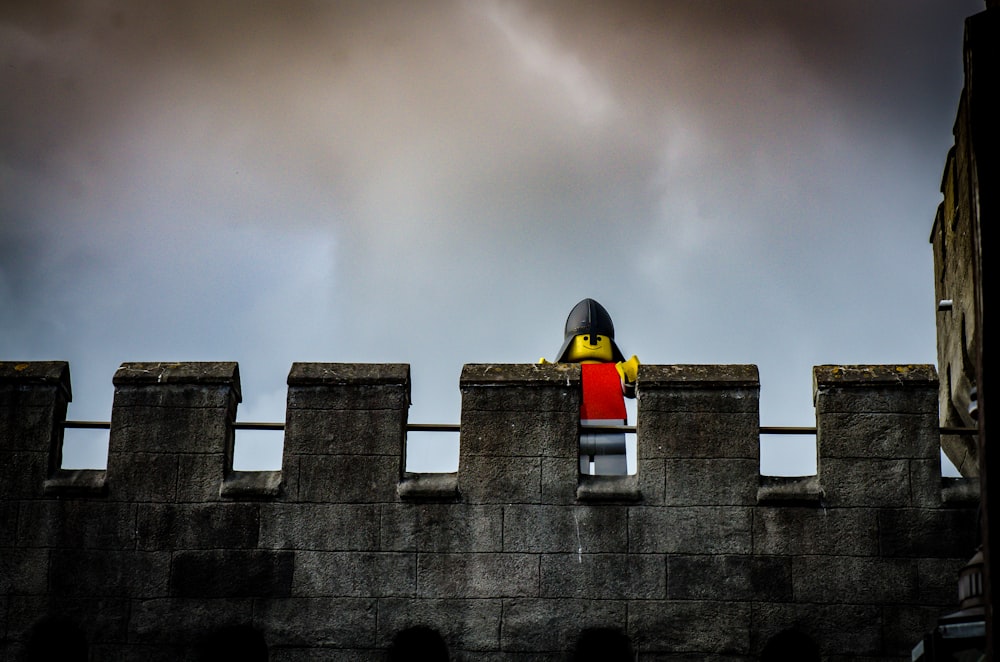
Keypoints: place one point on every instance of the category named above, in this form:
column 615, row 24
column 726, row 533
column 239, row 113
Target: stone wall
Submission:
column 169, row 554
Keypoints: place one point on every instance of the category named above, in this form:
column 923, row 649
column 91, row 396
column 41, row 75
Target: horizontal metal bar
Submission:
column 433, row 427
column 786, row 429
column 242, row 425
column 88, row 425
column 454, row 427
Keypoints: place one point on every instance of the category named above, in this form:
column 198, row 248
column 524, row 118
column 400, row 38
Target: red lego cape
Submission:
column 602, row 393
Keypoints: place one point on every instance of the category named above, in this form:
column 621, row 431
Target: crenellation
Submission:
column 696, row 556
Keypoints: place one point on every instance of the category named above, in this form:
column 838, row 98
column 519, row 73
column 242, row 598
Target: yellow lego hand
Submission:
column 628, row 370
column 543, row 361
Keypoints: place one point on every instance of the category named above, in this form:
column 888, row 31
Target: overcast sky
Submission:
column 438, row 183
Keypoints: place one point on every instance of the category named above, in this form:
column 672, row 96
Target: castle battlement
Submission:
column 517, row 553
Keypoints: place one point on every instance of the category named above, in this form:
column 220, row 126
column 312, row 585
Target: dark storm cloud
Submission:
column 438, row 183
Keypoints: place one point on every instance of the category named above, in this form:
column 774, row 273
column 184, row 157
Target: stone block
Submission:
column 937, row 582
column 560, row 477
column 699, row 627
column 729, row 578
column 348, row 478
column 77, row 524
column 103, row 619
column 169, row 429
column 231, row 573
column 853, row 580
column 920, row 533
column 603, row 576
column 698, row 435
column 442, row 527
column 23, row 474
column 345, row 431
column 792, row 530
column 690, row 530
column 865, row 482
column 166, row 621
column 197, row 526
column 518, row 433
column 584, row 529
column 100, row 573
column 466, row 625
column 349, row 397
column 711, row 482
column 200, row 476
column 483, row 479
column 854, row 630
column 32, row 428
column 540, row 625
column 150, row 477
column 314, row 622
column 23, row 572
column 888, row 388
column 879, row 435
column 484, row 575
column 321, row 527
column 355, row 574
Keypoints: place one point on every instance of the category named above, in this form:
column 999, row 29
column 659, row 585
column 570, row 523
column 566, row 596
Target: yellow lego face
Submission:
column 589, row 348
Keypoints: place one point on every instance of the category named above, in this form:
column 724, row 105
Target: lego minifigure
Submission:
column 606, row 377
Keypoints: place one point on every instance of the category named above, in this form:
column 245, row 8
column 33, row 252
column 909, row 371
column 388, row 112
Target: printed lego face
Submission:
column 589, row 348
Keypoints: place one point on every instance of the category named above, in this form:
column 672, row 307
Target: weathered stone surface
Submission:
column 790, row 530
column 348, row 478
column 103, row 573
column 554, row 624
column 77, row 524
column 197, row 526
column 231, row 574
column 357, row 397
column 517, row 433
column 868, row 435
column 726, row 577
column 483, row 479
column 442, row 528
column 340, row 527
column 143, row 476
column 470, row 625
column 335, row 622
column 711, row 482
column 853, row 483
column 937, row 580
column 853, row 580
column 349, row 374
column 884, row 394
column 690, row 626
column 588, row 529
column 483, row 575
column 698, row 435
column 852, row 630
column 690, row 530
column 318, row 432
column 23, row 572
column 603, row 576
column 921, row 533
column 175, row 620
column 355, row 574
column 513, row 557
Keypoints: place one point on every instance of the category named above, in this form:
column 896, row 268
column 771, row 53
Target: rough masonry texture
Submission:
column 169, row 554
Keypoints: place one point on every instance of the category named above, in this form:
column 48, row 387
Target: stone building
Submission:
column 169, row 554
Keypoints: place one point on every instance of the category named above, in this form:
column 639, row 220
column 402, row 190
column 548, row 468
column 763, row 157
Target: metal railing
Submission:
column 455, row 427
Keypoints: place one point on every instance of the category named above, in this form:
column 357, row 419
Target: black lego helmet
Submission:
column 588, row 316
